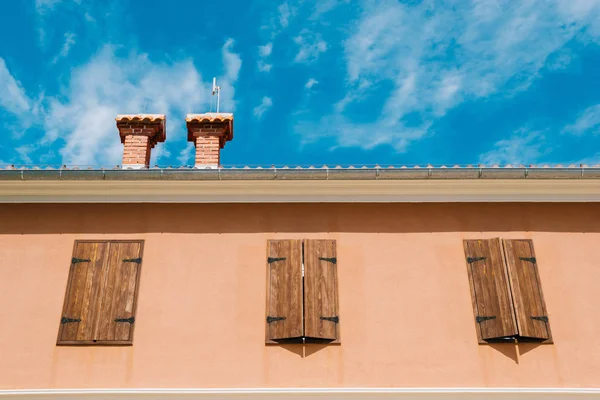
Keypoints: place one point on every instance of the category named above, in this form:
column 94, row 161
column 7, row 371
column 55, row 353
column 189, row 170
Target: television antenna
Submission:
column 216, row 90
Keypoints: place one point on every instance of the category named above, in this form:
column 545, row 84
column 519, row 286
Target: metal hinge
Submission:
column 76, row 260
column 273, row 319
column 330, row 259
column 544, row 318
column 273, row 259
column 335, row 319
column 473, row 259
column 134, row 260
column 131, row 320
column 65, row 320
column 530, row 259
column 485, row 318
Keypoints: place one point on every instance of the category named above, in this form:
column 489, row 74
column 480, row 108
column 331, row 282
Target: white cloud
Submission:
column 310, row 83
column 588, row 122
column 265, row 51
column 310, row 46
column 436, row 57
column 186, row 154
column 43, row 6
column 83, row 116
column 522, row 147
column 285, row 12
column 232, row 64
column 64, row 51
column 265, row 104
column 264, row 67
column 12, row 95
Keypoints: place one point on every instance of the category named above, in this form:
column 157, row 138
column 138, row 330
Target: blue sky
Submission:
column 329, row 82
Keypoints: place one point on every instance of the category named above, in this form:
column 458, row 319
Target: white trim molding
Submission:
column 282, row 191
column 309, row 393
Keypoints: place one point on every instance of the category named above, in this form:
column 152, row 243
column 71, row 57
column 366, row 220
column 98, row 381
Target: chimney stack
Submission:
column 209, row 132
column 139, row 134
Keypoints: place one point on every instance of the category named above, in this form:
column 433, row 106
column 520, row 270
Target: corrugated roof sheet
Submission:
column 303, row 173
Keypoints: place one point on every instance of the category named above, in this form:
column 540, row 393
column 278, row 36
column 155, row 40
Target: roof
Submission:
column 302, row 173
column 300, row 185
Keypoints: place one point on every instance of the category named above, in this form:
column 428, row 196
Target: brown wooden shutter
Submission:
column 116, row 317
column 321, row 319
column 284, row 290
column 532, row 318
column 492, row 302
column 102, row 288
column 79, row 309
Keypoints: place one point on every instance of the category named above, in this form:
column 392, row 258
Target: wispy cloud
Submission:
column 265, row 104
column 310, row 46
column 436, row 57
column 588, row 122
column 522, row 147
column 310, row 83
column 264, row 52
column 12, row 94
column 83, row 116
column 66, row 47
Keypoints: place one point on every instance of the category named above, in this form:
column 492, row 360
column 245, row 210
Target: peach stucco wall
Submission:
column 405, row 307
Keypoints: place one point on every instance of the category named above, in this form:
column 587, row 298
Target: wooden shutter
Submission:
column 119, row 293
column 79, row 310
column 284, row 290
column 320, row 290
column 532, row 318
column 490, row 290
column 101, row 288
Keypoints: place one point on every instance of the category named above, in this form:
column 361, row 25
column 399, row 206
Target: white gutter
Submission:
column 300, row 191
column 309, row 393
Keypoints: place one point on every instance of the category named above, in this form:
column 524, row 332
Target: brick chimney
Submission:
column 139, row 134
column 209, row 132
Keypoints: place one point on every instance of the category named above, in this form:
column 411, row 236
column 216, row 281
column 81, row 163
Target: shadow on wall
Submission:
column 322, row 217
column 513, row 350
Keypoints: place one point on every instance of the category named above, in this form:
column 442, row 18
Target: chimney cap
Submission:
column 209, row 117
column 151, row 125
column 141, row 118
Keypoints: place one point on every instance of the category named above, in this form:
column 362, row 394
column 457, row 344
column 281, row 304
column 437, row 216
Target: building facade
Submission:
column 317, row 283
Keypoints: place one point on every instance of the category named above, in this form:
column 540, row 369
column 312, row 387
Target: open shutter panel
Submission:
column 80, row 308
column 492, row 302
column 532, row 319
column 119, row 292
column 284, row 290
column 320, row 290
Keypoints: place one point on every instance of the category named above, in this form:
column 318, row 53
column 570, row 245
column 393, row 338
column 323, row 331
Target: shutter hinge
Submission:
column 273, row 259
column 131, row 320
column 543, row 318
column 76, row 260
column 473, row 259
column 65, row 320
column 134, row 260
column 273, row 319
column 530, row 259
column 485, row 318
column 330, row 259
column 335, row 319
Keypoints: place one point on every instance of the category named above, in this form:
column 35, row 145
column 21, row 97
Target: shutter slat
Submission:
column 527, row 290
column 82, row 289
column 320, row 290
column 119, row 292
column 284, row 290
column 492, row 302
